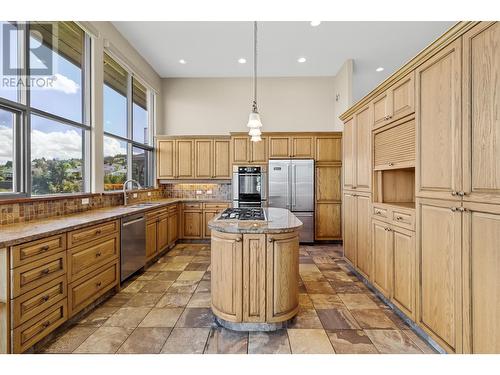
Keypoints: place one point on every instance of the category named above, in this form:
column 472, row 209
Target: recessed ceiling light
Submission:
column 379, row 69
column 182, row 61
column 301, row 60
column 315, row 23
column 242, row 60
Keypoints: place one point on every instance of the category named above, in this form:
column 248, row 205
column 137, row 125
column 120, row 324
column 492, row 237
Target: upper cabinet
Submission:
column 193, row 158
column 439, row 132
column 357, row 151
column 297, row 146
column 248, row 152
column 481, row 118
column 396, row 102
column 329, row 148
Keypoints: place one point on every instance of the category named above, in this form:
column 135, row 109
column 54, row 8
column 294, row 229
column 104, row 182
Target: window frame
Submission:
column 129, row 139
column 22, row 154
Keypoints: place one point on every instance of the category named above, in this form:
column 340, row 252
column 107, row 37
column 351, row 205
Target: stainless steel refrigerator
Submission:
column 291, row 186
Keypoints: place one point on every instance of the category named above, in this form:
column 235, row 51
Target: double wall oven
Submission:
column 249, row 186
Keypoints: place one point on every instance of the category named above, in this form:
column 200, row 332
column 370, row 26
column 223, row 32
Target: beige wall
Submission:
column 221, row 105
column 343, row 94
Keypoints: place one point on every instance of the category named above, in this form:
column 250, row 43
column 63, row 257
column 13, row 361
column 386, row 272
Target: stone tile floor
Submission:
column 167, row 310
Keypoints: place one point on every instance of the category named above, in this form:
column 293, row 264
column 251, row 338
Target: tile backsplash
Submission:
column 198, row 191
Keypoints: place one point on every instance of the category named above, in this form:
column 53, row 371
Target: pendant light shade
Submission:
column 254, row 122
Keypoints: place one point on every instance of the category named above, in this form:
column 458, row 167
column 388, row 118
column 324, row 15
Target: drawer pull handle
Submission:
column 45, row 271
column 462, row 209
column 45, row 298
column 98, row 254
column 453, row 209
column 399, row 218
column 46, row 324
column 462, row 193
column 98, row 231
column 45, row 248
column 391, row 164
column 377, row 212
column 98, row 284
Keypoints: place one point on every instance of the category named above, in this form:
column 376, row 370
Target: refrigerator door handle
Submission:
column 289, row 189
column 294, row 187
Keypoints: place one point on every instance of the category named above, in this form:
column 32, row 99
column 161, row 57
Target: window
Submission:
column 45, row 109
column 127, row 130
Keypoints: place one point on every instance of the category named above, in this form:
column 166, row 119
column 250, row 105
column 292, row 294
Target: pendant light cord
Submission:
column 255, row 66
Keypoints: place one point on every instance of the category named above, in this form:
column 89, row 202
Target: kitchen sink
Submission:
column 141, row 205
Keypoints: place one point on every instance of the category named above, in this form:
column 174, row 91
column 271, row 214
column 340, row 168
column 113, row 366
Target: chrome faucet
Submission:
column 125, row 189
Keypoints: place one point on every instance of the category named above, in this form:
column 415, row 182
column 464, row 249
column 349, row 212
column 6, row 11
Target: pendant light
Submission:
column 254, row 119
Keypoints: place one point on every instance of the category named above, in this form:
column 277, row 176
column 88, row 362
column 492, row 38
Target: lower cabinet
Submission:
column 382, row 257
column 192, row 224
column 251, row 276
column 173, row 227
column 207, row 216
column 151, row 238
column 196, row 216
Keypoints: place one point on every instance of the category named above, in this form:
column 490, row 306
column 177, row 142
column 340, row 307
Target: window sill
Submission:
column 45, row 198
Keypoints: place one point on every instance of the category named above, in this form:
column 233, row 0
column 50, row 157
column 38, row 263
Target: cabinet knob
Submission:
column 377, row 212
column 98, row 254
column 391, row 164
column 270, row 239
column 45, row 271
column 399, row 218
column 462, row 209
column 453, row 193
column 46, row 324
column 44, row 248
column 453, row 209
column 462, row 193
column 238, row 239
column 45, row 298
column 98, row 284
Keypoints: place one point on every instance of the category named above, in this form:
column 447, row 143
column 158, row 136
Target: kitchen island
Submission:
column 255, row 270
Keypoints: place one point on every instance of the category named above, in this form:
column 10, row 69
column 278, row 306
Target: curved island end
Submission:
column 255, row 271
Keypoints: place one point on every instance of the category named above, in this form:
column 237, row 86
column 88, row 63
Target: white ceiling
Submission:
column 211, row 49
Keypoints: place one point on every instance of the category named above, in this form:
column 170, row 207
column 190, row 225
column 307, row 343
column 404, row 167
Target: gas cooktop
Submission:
column 243, row 214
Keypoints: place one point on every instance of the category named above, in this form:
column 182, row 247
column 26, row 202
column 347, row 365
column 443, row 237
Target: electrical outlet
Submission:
column 209, row 192
column 198, row 192
column 134, row 195
column 85, row 201
column 149, row 193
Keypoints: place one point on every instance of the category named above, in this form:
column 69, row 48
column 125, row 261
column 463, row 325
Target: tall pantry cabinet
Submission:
column 435, row 203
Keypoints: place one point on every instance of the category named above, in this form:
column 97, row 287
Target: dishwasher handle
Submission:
column 127, row 223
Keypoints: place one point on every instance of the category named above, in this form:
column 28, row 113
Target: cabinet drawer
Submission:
column 38, row 300
column 85, row 291
column 394, row 147
column 84, row 235
column 34, row 250
column 380, row 213
column 85, row 259
column 32, row 275
column 37, row 328
column 191, row 205
column 172, row 209
column 151, row 216
column 404, row 219
column 215, row 206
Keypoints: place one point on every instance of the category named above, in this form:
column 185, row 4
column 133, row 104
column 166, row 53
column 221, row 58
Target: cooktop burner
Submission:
column 243, row 214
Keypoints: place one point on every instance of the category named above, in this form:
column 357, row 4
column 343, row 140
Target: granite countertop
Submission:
column 279, row 220
column 13, row 234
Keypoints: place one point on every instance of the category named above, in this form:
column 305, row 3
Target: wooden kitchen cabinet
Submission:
column 328, row 149
column 280, row 147
column 184, row 158
column 221, row 159
column 204, row 158
column 207, row 216
column 403, row 280
column 327, row 224
column 248, row 152
column 166, row 159
column 254, row 278
column 328, row 183
column 192, row 224
column 227, row 271
column 328, row 202
column 282, row 287
column 173, row 224
column 240, row 149
column 296, row 146
column 481, row 121
column 162, row 232
column 396, row 102
column 394, row 146
column 439, row 133
column 302, row 147
column 151, row 238
column 349, row 155
column 439, row 296
column 349, row 225
column 382, row 257
column 363, row 237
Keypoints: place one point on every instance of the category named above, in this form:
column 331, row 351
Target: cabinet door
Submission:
column 258, row 151
column 438, row 108
column 162, row 232
column 403, row 293
column 151, row 238
column 227, row 275
column 381, row 110
column 303, row 147
column 363, row 235
column 240, row 149
column 382, row 257
column 402, row 97
column 166, row 159
column 185, row 156
column 173, row 229
column 207, row 216
column 327, row 223
column 439, row 309
column 192, row 224
column 254, row 277
column 481, row 119
column 349, row 159
column 328, row 183
column 203, row 159
column 350, row 226
column 282, row 276
column 481, row 239
column 279, row 147
column 363, row 150
column 328, row 149
column 221, row 160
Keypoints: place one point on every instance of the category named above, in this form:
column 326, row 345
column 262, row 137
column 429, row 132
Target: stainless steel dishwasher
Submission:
column 133, row 245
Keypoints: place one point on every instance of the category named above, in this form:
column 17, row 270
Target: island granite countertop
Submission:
column 13, row 234
column 278, row 220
